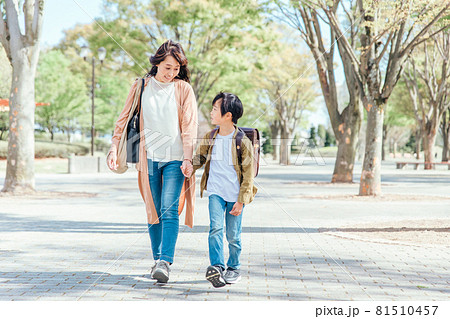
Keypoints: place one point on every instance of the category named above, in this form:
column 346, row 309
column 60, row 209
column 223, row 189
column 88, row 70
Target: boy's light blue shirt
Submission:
column 223, row 180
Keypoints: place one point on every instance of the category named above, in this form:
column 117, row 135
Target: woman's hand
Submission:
column 112, row 158
column 237, row 209
column 187, row 168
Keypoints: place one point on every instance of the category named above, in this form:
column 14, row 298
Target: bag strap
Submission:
column 140, row 95
column 138, row 108
column 239, row 136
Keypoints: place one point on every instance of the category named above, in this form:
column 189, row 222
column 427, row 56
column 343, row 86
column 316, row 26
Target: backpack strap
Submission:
column 211, row 135
column 239, row 137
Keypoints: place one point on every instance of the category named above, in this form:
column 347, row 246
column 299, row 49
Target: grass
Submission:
column 45, row 166
column 330, row 151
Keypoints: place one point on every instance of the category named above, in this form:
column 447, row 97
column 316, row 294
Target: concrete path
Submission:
column 98, row 248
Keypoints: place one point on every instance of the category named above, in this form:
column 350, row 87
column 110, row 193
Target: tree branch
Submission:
column 417, row 39
column 12, row 16
column 28, row 14
column 38, row 19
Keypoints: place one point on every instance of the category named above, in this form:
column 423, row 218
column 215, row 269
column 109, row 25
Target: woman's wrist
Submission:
column 187, row 159
column 113, row 148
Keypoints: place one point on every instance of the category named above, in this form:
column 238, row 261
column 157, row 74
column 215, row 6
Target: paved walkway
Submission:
column 98, row 248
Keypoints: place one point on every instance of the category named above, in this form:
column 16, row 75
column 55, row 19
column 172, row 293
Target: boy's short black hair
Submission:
column 230, row 103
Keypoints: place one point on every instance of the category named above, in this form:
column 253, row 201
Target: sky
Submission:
column 61, row 15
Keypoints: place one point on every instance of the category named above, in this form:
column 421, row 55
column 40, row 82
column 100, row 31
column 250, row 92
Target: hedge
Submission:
column 50, row 149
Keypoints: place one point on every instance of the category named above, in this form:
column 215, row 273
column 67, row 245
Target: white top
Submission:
column 162, row 130
column 223, row 180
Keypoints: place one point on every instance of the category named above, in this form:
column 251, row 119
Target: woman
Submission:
column 168, row 121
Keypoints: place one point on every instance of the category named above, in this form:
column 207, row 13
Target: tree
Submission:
column 312, row 136
column 345, row 121
column 321, row 133
column 65, row 91
column 427, row 79
column 329, row 139
column 445, row 129
column 22, row 50
column 398, row 121
column 5, row 86
column 222, row 39
column 109, row 97
column 288, row 102
column 389, row 31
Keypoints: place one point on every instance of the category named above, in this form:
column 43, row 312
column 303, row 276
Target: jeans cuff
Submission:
column 167, row 258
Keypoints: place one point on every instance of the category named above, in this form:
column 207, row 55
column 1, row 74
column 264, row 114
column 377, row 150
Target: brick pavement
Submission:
column 98, row 248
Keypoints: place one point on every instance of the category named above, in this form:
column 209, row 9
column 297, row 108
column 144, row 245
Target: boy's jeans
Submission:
column 166, row 181
column 217, row 207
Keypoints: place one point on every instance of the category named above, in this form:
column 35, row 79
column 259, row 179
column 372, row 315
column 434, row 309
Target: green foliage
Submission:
column 399, row 111
column 267, row 147
column 5, row 86
column 321, row 132
column 312, row 136
column 329, row 139
column 410, row 146
column 110, row 96
column 45, row 149
column 223, row 41
column 65, row 91
column 5, row 75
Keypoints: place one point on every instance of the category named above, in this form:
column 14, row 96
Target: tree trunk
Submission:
column 446, row 136
column 285, row 147
column 20, row 163
column 371, row 172
column 383, row 150
column 429, row 138
column 347, row 139
column 418, row 140
column 22, row 50
column 52, row 135
column 275, row 136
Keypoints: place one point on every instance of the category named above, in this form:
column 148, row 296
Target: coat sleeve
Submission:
column 201, row 153
column 189, row 122
column 246, row 189
column 123, row 117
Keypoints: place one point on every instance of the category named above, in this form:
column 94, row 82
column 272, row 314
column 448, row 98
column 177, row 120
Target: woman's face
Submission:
column 168, row 69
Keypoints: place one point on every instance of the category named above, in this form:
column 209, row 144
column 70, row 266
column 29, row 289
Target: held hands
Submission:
column 237, row 209
column 187, row 168
column 112, row 159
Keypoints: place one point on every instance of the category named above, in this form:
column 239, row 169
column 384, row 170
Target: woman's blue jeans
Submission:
column 166, row 181
column 217, row 208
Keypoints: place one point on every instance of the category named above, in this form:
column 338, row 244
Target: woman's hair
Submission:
column 176, row 51
column 230, row 103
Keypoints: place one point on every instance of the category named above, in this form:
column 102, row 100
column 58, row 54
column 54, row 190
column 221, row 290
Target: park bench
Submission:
column 401, row 165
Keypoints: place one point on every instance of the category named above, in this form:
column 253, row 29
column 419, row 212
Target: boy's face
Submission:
column 216, row 115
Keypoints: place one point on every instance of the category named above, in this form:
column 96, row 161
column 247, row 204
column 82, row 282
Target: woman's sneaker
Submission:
column 214, row 275
column 152, row 270
column 161, row 273
column 232, row 276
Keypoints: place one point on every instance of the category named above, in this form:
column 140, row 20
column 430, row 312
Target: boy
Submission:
column 229, row 183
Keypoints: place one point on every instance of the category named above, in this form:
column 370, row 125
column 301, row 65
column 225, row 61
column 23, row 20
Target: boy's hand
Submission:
column 237, row 209
column 187, row 168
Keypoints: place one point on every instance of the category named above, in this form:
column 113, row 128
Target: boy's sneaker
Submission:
column 232, row 276
column 161, row 273
column 214, row 275
column 152, row 270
